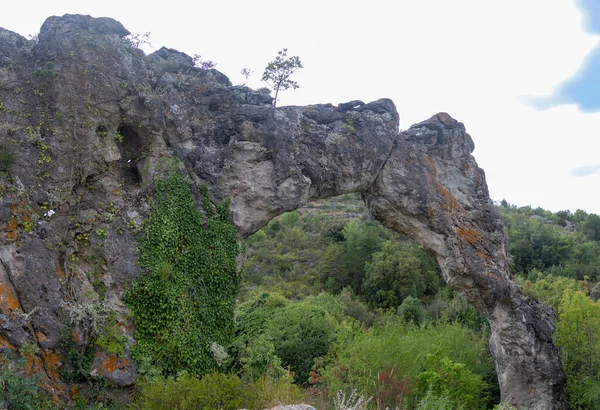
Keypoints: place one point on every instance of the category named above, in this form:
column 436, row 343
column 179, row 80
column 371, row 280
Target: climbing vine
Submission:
column 185, row 300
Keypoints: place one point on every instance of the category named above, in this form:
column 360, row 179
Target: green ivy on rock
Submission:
column 185, row 300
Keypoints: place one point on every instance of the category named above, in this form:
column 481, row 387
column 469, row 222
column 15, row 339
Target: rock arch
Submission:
column 423, row 182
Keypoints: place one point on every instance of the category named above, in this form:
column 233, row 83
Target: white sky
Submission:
column 477, row 60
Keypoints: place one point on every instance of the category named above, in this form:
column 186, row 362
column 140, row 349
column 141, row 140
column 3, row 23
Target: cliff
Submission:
column 88, row 124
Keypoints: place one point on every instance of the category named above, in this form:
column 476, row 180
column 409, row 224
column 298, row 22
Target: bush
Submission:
column 301, row 333
column 454, row 381
column 16, row 390
column 214, row 391
column 403, row 347
column 578, row 337
column 411, row 310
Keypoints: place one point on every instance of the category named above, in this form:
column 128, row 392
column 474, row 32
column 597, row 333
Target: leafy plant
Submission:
column 301, row 333
column 184, row 302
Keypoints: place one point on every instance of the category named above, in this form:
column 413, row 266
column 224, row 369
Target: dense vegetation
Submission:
column 337, row 311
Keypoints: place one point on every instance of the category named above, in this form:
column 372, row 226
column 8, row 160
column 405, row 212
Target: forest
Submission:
column 336, row 311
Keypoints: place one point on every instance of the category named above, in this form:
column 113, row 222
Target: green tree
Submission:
column 277, row 73
column 591, row 227
column 301, row 333
column 398, row 271
column 578, row 337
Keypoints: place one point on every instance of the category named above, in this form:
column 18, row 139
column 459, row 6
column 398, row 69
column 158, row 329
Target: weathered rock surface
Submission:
column 92, row 121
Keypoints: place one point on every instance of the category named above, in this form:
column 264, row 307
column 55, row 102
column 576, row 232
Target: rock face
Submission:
column 91, row 121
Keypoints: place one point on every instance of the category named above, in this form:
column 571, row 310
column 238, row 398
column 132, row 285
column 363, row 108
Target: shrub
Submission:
column 578, row 337
column 454, row 381
column 411, row 310
column 301, row 333
column 213, row 391
column 16, row 390
column 403, row 347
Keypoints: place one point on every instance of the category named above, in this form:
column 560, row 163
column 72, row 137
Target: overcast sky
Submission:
column 523, row 76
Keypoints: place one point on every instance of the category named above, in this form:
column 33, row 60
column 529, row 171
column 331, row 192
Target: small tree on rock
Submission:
column 277, row 73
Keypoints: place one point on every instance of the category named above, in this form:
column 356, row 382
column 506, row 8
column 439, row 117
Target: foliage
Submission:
column 250, row 352
column 213, row 391
column 550, row 289
column 453, row 380
column 591, row 227
column 203, row 64
column 578, row 337
column 458, row 310
column 431, row 401
column 277, row 73
column 185, row 300
column 401, row 269
column 343, row 264
column 135, row 40
column 301, row 333
column 403, row 347
column 259, row 359
column 16, row 390
column 561, row 243
column 411, row 310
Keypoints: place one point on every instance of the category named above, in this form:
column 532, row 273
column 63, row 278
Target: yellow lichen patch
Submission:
column 59, row 271
column 470, row 235
column 51, row 363
column 112, row 363
column 41, row 337
column 450, row 203
column 5, row 344
column 8, row 300
column 11, row 230
column 33, row 364
column 76, row 337
column 482, row 255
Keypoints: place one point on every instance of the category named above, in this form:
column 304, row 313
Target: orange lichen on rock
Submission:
column 450, row 203
column 59, row 271
column 51, row 364
column 112, row 363
column 8, row 300
column 482, row 254
column 33, row 364
column 5, row 344
column 11, row 230
column 428, row 164
column 470, row 235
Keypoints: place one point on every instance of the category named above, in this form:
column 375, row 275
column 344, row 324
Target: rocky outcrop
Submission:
column 91, row 121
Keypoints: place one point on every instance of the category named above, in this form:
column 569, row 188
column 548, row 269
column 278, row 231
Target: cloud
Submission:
column 585, row 170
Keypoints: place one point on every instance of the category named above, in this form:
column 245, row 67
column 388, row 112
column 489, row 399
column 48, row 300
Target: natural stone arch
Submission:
column 422, row 182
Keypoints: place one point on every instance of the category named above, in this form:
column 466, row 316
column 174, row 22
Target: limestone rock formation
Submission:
column 91, row 121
